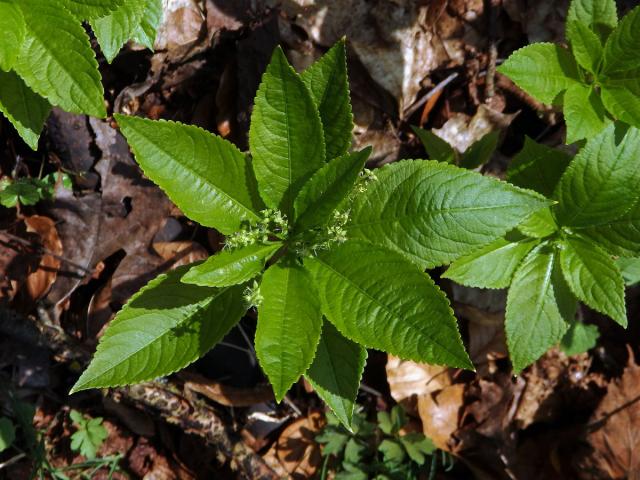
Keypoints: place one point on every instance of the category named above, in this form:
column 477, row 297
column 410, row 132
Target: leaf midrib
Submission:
column 288, row 193
column 579, row 212
column 399, row 218
column 540, row 298
column 383, row 307
column 160, row 334
column 53, row 55
column 213, row 186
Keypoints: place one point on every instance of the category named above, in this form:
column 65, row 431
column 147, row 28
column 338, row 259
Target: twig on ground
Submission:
column 440, row 86
column 164, row 398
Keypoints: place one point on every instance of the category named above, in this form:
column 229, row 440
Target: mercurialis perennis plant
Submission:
column 595, row 79
column 564, row 253
column 332, row 256
column 46, row 57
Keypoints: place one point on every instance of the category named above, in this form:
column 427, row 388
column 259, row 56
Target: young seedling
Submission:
column 564, row 253
column 29, row 191
column 36, row 69
column 332, row 257
column 89, row 436
column 373, row 450
column 596, row 78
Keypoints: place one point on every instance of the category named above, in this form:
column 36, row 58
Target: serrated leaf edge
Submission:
column 469, row 366
column 77, row 388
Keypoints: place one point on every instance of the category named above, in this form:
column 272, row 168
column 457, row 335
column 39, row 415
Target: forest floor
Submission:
column 67, row 265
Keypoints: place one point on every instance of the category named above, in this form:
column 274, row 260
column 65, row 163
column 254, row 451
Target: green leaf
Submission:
column 630, row 269
column 602, row 181
column 355, row 452
column 23, row 414
column 585, row 45
column 539, row 224
column 22, row 191
column 90, row 9
column 378, row 299
column 7, row 433
column 145, row 33
column 434, row 213
column 618, row 235
column 599, row 15
column 25, row 109
column 384, row 422
column 392, row 451
column 327, row 188
column 47, row 185
column 56, row 60
column 622, row 99
column 417, row 446
column 398, row 418
column 113, row 30
column 594, row 278
column 621, row 51
column 289, row 325
column 221, row 189
column 89, row 436
column 579, row 338
column 163, row 328
column 285, row 137
column 538, row 167
column 13, row 28
column 437, row 148
column 480, row 152
column 327, row 81
column 231, row 267
column 543, row 70
column 492, row 266
column 336, row 372
column 333, row 442
column 540, row 308
column 584, row 113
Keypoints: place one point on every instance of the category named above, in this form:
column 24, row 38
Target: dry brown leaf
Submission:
column 15, row 264
column 296, row 454
column 124, row 216
column 408, row 380
column 39, row 282
column 616, row 437
column 182, row 253
column 400, row 42
column 225, row 394
column 440, row 414
column 462, row 131
column 540, row 396
column 181, row 28
column 427, row 390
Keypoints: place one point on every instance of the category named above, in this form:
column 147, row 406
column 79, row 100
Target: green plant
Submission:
column 323, row 250
column 20, row 437
column 46, row 57
column 566, row 252
column 476, row 155
column 90, row 434
column 29, row 191
column 7, row 433
column 630, row 269
column 373, row 450
column 596, row 79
